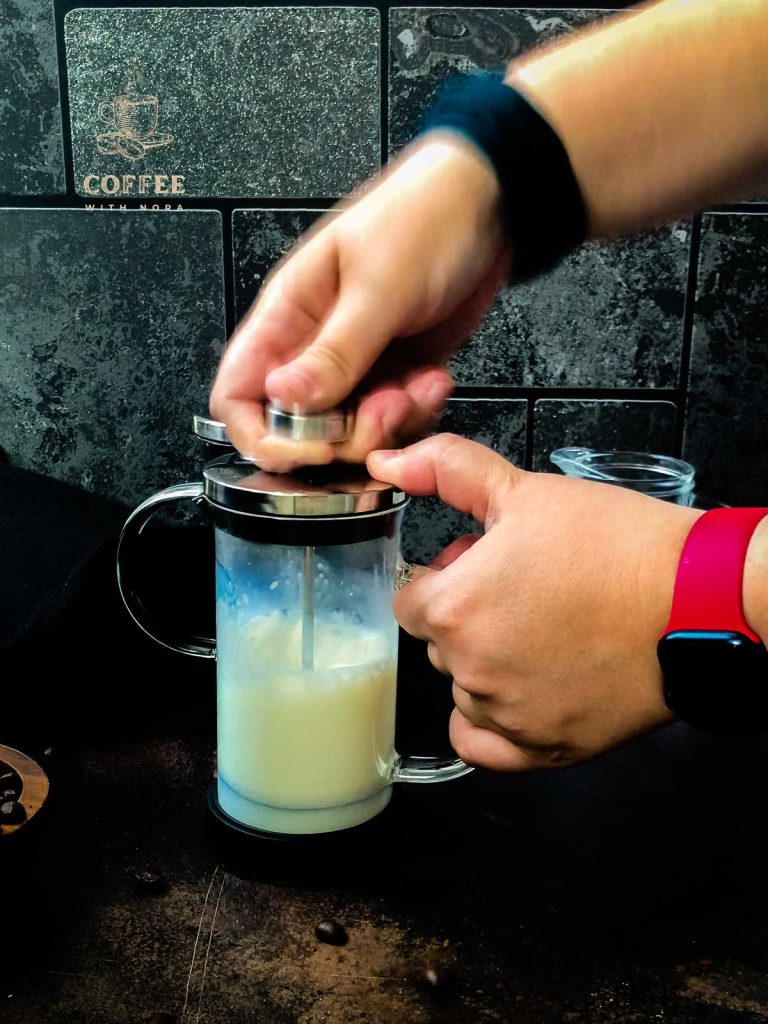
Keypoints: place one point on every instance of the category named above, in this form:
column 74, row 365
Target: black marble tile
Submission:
column 259, row 239
column 429, row 44
column 263, row 101
column 500, row 424
column 111, row 325
column 610, row 315
column 604, row 425
column 598, row 321
column 31, row 149
column 725, row 434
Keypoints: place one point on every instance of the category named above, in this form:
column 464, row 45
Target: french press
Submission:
column 306, row 641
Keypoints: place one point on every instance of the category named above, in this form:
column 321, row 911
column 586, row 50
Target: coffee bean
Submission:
column 12, row 813
column 436, row 977
column 150, row 881
column 8, row 794
column 331, row 932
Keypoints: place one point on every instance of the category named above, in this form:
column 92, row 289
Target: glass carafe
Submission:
column 306, row 643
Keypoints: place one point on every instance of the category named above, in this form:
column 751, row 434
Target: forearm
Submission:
column 662, row 110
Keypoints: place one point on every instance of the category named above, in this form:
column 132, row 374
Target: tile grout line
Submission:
column 228, row 268
column 59, row 13
column 687, row 340
column 529, row 425
column 384, row 83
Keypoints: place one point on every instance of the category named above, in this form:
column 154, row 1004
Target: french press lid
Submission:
column 333, row 425
column 236, row 484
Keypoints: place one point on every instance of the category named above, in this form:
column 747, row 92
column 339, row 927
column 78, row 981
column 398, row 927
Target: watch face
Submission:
column 716, row 680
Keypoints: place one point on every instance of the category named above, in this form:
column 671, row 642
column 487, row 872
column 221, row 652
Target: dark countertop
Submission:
column 629, row 889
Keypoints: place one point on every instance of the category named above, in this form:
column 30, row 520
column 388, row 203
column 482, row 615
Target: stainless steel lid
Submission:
column 334, row 425
column 236, row 484
column 210, row 430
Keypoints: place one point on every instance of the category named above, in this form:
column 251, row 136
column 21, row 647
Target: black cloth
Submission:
column 70, row 655
column 52, row 536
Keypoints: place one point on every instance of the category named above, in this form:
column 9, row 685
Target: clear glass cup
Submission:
column 659, row 476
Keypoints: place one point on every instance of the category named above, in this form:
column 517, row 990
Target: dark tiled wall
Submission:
column 240, row 126
column 262, row 101
column 31, row 148
column 112, row 326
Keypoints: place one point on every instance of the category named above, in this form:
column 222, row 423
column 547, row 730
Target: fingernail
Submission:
column 387, row 454
column 291, row 384
column 437, row 394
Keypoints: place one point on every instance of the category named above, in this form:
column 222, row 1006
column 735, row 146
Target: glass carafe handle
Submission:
column 429, row 769
column 130, row 539
column 424, row 769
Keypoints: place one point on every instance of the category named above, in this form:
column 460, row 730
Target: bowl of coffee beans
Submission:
column 23, row 789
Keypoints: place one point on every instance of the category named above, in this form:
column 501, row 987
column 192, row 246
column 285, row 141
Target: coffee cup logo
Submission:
column 132, row 118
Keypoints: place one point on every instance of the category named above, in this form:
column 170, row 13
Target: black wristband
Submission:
column 543, row 208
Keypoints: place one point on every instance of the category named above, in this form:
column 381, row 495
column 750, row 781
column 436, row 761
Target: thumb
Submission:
column 464, row 474
column 326, row 372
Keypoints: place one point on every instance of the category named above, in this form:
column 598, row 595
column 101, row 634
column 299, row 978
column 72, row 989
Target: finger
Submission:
column 476, row 708
column 244, row 420
column 397, row 412
column 466, row 475
column 429, row 389
column 282, row 455
column 454, row 550
column 412, row 599
column 415, row 605
column 416, row 572
column 486, row 749
column 433, row 654
column 358, row 329
column 378, row 419
column 275, row 327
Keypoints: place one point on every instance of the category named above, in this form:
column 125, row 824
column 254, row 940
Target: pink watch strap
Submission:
column 708, row 587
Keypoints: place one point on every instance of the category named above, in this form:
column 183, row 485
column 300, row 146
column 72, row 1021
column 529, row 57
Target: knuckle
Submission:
column 330, row 360
column 441, row 614
column 448, row 444
column 553, row 756
column 546, row 747
column 476, row 685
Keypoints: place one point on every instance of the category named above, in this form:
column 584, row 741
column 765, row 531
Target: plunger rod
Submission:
column 308, row 609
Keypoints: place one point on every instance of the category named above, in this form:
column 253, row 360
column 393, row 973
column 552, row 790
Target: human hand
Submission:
column 548, row 623
column 373, row 301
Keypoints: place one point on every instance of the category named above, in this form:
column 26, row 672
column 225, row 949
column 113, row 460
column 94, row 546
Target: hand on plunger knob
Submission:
column 370, row 304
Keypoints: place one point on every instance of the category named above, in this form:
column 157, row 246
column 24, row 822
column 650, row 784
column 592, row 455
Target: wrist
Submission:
column 446, row 171
column 542, row 208
column 714, row 664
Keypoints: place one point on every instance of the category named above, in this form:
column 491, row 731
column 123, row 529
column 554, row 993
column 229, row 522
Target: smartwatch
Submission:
column 715, row 667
